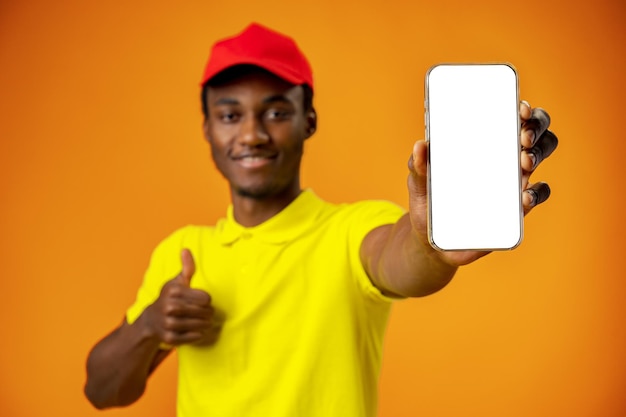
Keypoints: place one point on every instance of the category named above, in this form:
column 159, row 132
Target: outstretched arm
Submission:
column 399, row 258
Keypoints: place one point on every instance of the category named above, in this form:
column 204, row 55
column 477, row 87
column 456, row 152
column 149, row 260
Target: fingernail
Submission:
column 526, row 103
column 533, row 197
column 533, row 136
column 533, row 159
column 413, row 155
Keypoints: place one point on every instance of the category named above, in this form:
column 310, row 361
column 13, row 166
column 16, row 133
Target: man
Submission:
column 280, row 308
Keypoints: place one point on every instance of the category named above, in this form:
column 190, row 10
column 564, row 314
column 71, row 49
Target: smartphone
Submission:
column 474, row 174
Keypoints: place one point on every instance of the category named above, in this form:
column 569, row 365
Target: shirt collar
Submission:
column 292, row 221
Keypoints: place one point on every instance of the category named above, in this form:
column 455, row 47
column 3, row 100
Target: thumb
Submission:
column 189, row 266
column 418, row 187
column 418, row 171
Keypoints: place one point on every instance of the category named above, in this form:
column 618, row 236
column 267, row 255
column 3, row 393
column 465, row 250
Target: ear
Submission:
column 206, row 129
column 311, row 123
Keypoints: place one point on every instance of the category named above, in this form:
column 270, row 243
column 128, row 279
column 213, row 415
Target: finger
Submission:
column 535, row 195
column 177, row 339
column 542, row 149
column 197, row 297
column 534, row 127
column 525, row 111
column 176, row 331
column 189, row 307
column 179, row 294
column 187, row 324
column 189, row 266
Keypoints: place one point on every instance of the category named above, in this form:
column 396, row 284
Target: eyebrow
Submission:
column 228, row 101
column 277, row 98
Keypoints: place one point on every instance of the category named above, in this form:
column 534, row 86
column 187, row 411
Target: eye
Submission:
column 226, row 116
column 278, row 114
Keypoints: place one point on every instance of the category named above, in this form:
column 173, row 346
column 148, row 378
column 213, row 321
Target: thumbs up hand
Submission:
column 182, row 314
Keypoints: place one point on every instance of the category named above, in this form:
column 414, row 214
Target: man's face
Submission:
column 256, row 126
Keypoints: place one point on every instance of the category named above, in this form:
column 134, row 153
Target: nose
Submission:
column 253, row 132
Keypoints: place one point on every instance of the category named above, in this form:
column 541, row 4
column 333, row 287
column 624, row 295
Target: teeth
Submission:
column 253, row 158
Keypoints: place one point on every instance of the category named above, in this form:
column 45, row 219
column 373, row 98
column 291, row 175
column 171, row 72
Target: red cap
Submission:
column 265, row 48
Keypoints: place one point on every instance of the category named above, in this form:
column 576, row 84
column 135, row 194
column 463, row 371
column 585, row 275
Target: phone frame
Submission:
column 520, row 218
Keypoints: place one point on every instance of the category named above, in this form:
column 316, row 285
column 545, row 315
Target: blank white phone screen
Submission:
column 472, row 123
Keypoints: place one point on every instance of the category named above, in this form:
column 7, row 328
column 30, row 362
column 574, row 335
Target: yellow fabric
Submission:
column 303, row 326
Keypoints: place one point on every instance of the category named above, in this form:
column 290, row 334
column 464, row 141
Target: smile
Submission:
column 254, row 161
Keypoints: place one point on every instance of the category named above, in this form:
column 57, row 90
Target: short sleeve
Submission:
column 364, row 217
column 164, row 265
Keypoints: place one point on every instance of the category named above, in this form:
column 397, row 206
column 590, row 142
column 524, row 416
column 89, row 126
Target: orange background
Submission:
column 102, row 156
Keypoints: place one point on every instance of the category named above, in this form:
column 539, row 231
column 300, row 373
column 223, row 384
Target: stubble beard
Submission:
column 263, row 191
column 254, row 193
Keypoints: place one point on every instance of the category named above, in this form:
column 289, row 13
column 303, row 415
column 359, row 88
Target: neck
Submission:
column 249, row 211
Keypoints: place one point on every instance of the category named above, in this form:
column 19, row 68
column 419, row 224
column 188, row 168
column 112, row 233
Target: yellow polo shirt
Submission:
column 303, row 327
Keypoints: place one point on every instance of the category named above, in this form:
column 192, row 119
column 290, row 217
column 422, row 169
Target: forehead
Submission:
column 252, row 83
